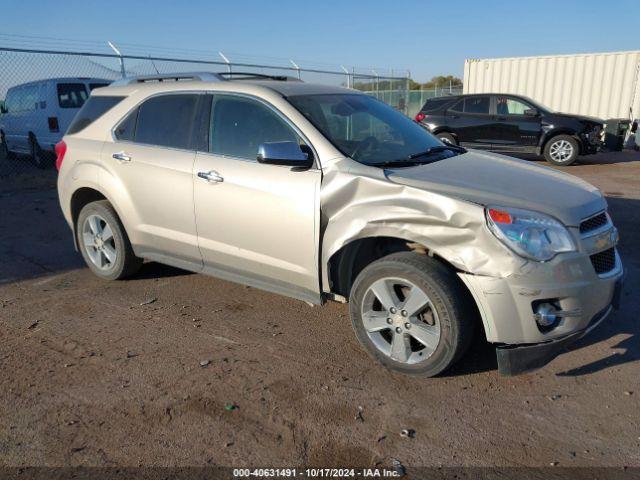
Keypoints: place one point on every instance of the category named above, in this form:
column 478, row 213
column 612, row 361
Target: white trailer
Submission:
column 604, row 85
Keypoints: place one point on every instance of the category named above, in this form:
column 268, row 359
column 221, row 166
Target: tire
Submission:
column 446, row 138
column 38, row 157
column 561, row 150
column 447, row 322
column 5, row 154
column 111, row 257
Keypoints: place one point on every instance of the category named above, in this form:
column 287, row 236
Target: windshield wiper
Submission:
column 436, row 149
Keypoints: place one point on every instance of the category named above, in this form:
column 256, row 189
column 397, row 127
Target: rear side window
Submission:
column 435, row 104
column 476, row 105
column 71, row 95
column 167, row 121
column 93, row 109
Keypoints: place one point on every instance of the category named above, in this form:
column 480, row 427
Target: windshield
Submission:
column 370, row 131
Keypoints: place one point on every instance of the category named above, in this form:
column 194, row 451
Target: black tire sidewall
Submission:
column 431, row 281
column 566, row 163
column 448, row 136
column 37, row 155
column 109, row 216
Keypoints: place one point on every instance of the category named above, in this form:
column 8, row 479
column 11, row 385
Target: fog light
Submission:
column 545, row 315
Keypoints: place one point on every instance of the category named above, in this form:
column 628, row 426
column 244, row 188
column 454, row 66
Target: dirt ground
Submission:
column 110, row 374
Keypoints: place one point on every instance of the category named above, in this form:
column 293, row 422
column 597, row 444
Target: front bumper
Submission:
column 517, row 359
column 507, row 307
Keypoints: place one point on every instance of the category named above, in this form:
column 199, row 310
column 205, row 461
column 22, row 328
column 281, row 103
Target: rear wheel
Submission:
column 5, row 154
column 561, row 150
column 412, row 314
column 104, row 243
column 38, row 156
column 447, row 138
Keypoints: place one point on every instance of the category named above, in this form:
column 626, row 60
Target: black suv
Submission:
column 511, row 124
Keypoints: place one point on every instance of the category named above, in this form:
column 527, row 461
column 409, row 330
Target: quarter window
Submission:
column 166, row 121
column 239, row 125
column 91, row 111
column 127, row 128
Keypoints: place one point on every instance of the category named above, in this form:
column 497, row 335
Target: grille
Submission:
column 605, row 261
column 594, row 222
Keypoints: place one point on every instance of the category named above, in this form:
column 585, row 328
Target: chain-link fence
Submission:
column 41, row 90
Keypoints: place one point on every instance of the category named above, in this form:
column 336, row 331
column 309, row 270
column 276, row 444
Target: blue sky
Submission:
column 428, row 38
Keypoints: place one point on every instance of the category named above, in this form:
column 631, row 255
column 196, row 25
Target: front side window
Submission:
column 166, row 121
column 365, row 129
column 29, row 98
column 71, row 95
column 476, row 105
column 239, row 125
column 510, row 106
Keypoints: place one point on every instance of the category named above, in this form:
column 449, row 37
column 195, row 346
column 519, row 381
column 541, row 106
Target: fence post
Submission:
column 226, row 60
column 122, row 70
column 296, row 67
column 347, row 72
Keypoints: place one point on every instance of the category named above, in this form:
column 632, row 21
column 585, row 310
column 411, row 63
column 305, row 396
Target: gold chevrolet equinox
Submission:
column 325, row 193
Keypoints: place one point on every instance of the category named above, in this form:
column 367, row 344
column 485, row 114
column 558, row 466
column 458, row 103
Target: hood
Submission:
column 580, row 118
column 498, row 180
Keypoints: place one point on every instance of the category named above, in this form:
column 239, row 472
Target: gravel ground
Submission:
column 173, row 369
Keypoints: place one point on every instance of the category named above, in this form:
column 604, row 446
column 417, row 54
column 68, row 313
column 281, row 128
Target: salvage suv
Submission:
column 324, row 193
column 511, row 124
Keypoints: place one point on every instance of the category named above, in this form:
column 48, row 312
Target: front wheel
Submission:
column 561, row 150
column 412, row 314
column 104, row 243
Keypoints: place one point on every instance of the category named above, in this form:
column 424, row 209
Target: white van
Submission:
column 35, row 115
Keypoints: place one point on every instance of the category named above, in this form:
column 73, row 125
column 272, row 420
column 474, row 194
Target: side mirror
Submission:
column 531, row 112
column 284, row 153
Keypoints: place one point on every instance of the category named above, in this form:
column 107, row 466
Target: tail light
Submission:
column 420, row 117
column 53, row 124
column 61, row 149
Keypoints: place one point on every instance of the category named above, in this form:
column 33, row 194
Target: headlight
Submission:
column 530, row 234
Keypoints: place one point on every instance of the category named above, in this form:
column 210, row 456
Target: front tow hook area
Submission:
column 517, row 359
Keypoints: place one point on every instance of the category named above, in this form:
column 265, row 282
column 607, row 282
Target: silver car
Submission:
column 324, row 193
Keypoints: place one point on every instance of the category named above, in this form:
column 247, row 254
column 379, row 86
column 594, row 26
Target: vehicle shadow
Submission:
column 151, row 270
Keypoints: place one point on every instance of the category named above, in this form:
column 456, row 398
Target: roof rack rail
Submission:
column 256, row 76
column 175, row 77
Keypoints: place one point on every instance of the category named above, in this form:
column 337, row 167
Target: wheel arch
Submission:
column 347, row 262
column 548, row 136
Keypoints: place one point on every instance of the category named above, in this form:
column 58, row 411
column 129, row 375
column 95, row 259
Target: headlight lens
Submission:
column 530, row 234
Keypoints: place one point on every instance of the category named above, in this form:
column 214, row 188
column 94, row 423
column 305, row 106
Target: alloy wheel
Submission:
column 400, row 320
column 98, row 242
column 561, row 150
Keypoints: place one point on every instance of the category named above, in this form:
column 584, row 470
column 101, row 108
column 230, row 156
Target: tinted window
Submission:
column 167, row 121
column 476, row 105
column 363, row 128
column 240, row 125
column 71, row 95
column 94, row 108
column 126, row 129
column 510, row 106
column 458, row 106
column 435, row 104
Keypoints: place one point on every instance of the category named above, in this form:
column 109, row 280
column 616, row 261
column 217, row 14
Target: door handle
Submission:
column 122, row 157
column 211, row 176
